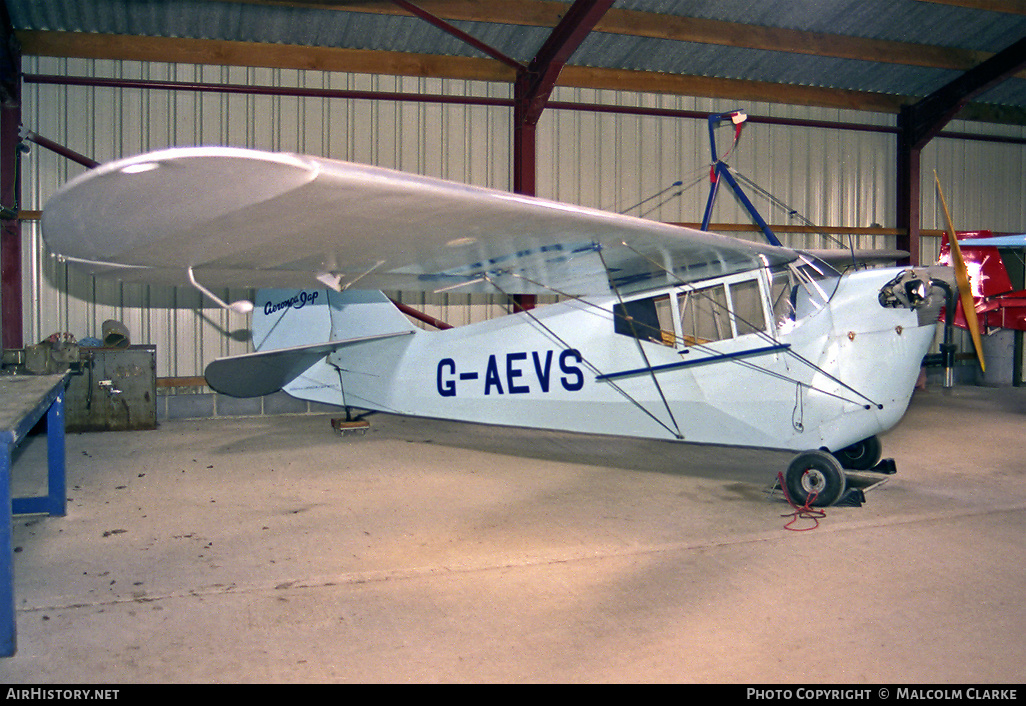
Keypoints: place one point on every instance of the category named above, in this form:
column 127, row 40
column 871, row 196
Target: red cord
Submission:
column 800, row 513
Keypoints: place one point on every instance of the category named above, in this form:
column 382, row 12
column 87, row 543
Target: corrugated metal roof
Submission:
column 364, row 26
column 271, row 24
column 913, row 21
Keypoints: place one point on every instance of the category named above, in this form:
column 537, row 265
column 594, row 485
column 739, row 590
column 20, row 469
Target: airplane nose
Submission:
column 909, row 290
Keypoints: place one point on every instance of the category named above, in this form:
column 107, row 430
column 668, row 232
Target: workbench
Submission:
column 24, row 399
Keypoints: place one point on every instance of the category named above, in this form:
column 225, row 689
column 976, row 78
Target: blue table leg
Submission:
column 8, row 638
column 56, row 477
column 54, row 503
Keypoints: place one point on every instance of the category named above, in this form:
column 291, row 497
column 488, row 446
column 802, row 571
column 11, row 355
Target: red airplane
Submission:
column 996, row 267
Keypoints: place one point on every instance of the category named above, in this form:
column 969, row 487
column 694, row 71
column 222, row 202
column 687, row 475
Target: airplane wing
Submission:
column 844, row 257
column 995, row 241
column 244, row 218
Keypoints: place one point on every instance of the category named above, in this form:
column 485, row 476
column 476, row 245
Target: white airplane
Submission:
column 660, row 332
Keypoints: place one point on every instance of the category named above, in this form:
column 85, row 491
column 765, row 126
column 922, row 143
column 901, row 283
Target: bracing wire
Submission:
column 644, row 355
column 705, row 348
column 681, row 185
column 591, row 366
column 653, row 196
column 793, row 213
column 678, row 194
column 756, row 329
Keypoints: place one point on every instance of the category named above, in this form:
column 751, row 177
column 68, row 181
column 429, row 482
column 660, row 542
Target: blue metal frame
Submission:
column 54, row 503
column 720, row 171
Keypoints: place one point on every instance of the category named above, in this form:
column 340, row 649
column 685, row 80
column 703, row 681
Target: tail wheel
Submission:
column 862, row 455
column 815, row 478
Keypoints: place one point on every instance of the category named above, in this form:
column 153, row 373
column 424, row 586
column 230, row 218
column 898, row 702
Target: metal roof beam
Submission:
column 566, row 37
column 459, row 34
column 921, row 121
column 534, row 86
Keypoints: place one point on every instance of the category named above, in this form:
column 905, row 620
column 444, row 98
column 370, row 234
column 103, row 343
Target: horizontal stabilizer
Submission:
column 265, row 372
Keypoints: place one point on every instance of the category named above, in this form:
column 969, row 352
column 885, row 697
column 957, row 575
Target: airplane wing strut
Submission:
column 591, row 366
column 641, row 349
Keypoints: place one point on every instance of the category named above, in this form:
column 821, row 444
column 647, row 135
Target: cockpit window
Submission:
column 704, row 316
column 695, row 315
column 647, row 319
column 749, row 313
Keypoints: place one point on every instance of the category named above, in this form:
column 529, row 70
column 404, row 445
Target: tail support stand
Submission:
column 350, row 425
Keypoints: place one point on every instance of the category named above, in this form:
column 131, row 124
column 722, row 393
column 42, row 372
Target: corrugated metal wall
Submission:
column 984, row 183
column 831, row 177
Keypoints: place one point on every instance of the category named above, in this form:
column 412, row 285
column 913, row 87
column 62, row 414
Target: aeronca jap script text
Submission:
column 298, row 301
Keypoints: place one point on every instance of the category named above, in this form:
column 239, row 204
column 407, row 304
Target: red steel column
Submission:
column 11, row 335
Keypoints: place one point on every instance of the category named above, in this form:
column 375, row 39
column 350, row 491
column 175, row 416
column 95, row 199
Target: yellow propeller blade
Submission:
column 962, row 278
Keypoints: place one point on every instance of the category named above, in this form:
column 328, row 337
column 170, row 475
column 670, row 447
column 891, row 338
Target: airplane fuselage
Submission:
column 834, row 374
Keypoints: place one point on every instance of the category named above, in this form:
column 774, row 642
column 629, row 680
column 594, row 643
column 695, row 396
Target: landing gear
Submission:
column 862, row 455
column 815, row 478
column 866, row 455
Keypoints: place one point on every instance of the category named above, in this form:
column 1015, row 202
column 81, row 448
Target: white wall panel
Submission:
column 830, row 176
column 983, row 182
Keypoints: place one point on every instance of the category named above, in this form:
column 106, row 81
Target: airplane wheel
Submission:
column 862, row 455
column 816, row 475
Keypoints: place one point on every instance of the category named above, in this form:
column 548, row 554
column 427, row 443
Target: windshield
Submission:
column 801, row 288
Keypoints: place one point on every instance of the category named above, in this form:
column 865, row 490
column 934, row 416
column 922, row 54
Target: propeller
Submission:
column 962, row 278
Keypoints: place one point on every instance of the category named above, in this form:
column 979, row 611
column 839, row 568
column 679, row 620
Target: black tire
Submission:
column 862, row 455
column 815, row 478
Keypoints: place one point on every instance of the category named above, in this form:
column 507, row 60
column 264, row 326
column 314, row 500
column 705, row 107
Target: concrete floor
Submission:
column 272, row 550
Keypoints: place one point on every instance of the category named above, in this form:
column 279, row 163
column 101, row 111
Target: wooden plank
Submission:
column 181, row 382
column 735, row 89
column 225, row 53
